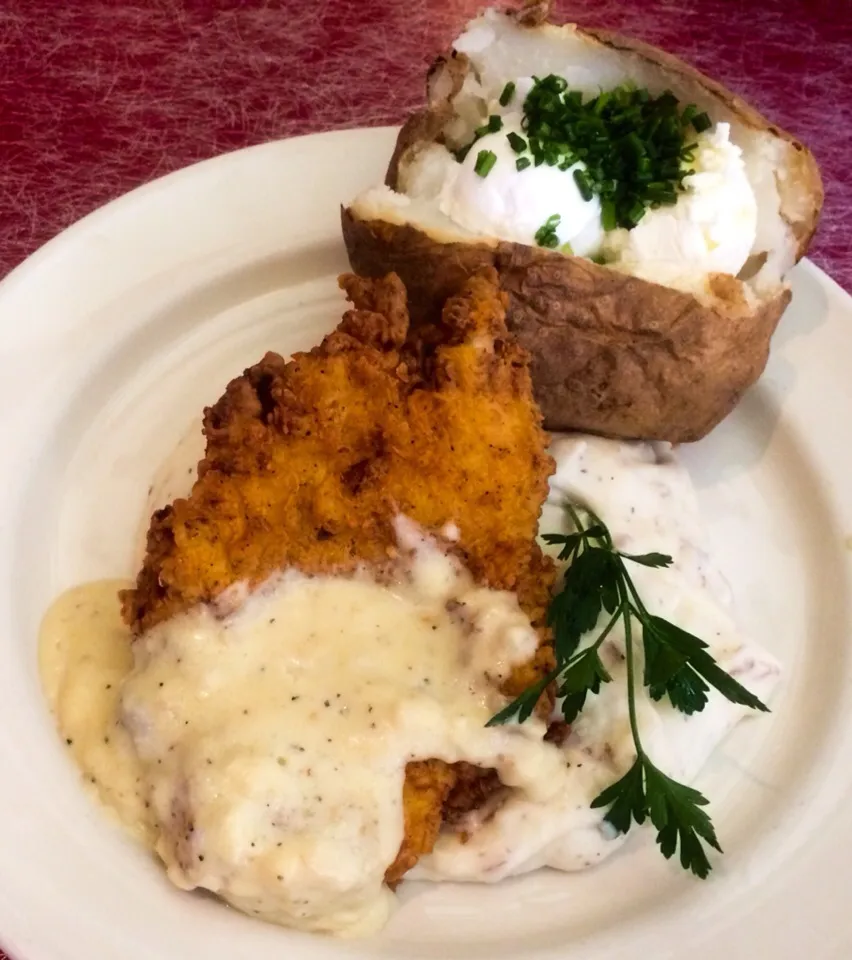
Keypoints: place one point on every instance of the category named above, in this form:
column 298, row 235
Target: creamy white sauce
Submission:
column 272, row 742
column 648, row 502
column 262, row 752
column 84, row 657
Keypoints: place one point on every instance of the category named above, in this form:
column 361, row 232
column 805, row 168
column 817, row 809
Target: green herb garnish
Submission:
column 517, row 143
column 485, row 160
column 546, row 235
column 583, row 184
column 507, row 94
column 701, row 122
column 632, row 145
column 677, row 666
column 462, row 153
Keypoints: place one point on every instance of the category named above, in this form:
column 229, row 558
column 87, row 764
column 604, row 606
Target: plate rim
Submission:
column 23, row 273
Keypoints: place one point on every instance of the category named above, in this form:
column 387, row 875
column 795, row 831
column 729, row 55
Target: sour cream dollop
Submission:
column 711, row 228
column 514, row 204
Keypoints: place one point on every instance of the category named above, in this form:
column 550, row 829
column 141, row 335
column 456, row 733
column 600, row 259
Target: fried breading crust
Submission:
column 308, row 462
column 425, row 789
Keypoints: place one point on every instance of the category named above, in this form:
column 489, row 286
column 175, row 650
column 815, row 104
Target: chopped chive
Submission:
column 507, row 94
column 701, row 122
column 485, row 160
column 461, row 154
column 583, row 184
column 688, row 113
column 601, row 102
column 626, row 139
column 567, row 249
column 522, row 163
column 667, row 100
column 546, row 235
column 517, row 143
column 634, row 142
column 495, row 123
column 634, row 213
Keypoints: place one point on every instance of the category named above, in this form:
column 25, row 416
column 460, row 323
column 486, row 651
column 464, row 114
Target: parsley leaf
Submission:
column 675, row 810
column 522, row 707
column 677, row 664
column 649, row 559
column 585, row 675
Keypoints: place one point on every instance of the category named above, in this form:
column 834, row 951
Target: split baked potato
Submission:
column 613, row 352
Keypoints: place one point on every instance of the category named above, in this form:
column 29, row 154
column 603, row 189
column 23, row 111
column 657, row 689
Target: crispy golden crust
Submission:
column 424, row 792
column 308, row 462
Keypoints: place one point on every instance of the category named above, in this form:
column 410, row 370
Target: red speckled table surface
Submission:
column 99, row 96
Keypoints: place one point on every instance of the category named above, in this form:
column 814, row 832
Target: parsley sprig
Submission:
column 677, row 665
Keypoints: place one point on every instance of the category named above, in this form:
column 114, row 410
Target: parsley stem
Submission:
column 575, row 517
column 631, row 669
column 639, row 607
column 606, row 630
column 596, row 521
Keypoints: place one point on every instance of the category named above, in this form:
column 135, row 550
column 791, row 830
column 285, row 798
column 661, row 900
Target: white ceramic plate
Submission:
column 112, row 339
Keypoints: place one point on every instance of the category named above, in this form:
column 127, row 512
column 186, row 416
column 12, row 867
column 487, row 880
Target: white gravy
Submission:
column 262, row 752
column 273, row 742
column 84, row 657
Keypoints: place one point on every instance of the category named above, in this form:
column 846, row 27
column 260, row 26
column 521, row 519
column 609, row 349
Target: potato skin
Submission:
column 611, row 354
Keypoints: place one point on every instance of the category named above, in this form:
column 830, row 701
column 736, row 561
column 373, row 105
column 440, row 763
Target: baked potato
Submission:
column 624, row 347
